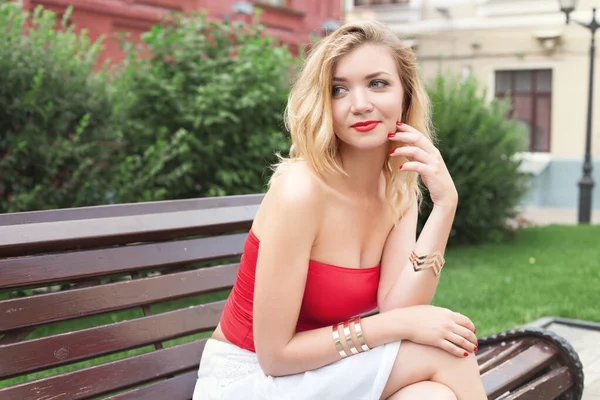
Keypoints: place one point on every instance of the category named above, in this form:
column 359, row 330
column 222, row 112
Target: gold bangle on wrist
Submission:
column 433, row 260
column 355, row 322
column 338, row 343
column 349, row 340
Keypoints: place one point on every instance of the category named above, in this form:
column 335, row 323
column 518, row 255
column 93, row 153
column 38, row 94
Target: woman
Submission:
column 335, row 237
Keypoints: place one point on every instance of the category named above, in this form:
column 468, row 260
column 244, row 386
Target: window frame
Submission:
column 533, row 95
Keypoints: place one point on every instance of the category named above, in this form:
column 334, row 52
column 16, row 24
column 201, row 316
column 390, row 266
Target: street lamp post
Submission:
column 586, row 184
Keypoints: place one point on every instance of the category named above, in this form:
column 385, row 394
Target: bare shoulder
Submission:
column 297, row 192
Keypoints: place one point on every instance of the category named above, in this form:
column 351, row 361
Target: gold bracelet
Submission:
column 336, row 339
column 349, row 340
column 355, row 323
column 434, row 260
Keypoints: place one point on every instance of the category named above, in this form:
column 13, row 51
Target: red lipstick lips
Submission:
column 365, row 126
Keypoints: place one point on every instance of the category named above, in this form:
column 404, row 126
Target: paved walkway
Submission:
column 551, row 215
column 586, row 343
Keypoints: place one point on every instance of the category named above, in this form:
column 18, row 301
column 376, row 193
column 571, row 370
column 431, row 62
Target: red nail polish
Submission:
column 391, row 134
column 466, row 354
column 475, row 349
column 398, row 123
column 401, row 166
column 392, row 151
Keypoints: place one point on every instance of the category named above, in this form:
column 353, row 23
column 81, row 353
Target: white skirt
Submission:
column 228, row 372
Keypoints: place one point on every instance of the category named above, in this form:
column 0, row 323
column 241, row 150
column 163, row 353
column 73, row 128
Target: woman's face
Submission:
column 366, row 97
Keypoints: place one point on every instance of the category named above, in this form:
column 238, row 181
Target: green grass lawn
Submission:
column 545, row 271
column 549, row 271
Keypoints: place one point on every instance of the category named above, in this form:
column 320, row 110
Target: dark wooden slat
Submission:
column 55, row 236
column 110, row 377
column 16, row 336
column 120, row 210
column 52, row 307
column 519, row 369
column 44, row 269
column 548, row 386
column 180, row 387
column 503, row 355
column 38, row 354
column 486, row 353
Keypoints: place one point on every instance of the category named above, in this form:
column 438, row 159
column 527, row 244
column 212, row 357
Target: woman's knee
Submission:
column 435, row 359
column 424, row 390
column 419, row 363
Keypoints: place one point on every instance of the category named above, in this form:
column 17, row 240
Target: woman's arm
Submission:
column 288, row 229
column 400, row 285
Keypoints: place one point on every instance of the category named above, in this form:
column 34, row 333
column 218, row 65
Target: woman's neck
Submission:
column 363, row 169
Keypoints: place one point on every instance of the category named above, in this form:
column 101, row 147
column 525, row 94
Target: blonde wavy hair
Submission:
column 308, row 115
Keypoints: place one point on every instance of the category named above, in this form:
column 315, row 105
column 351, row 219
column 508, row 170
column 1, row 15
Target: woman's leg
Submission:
column 424, row 390
column 418, row 363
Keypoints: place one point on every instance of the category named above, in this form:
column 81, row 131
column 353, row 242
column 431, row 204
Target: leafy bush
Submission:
column 478, row 144
column 194, row 110
column 53, row 113
column 222, row 88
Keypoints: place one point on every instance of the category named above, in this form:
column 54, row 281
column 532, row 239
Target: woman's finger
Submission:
column 464, row 321
column 413, row 153
column 416, row 166
column 461, row 342
column 468, row 335
column 414, row 139
column 453, row 349
column 402, row 127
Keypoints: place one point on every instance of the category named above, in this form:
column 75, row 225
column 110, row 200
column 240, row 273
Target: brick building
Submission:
column 292, row 21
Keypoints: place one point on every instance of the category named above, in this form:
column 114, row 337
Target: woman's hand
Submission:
column 425, row 159
column 440, row 327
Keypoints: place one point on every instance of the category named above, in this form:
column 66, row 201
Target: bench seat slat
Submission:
column 548, row 386
column 42, row 269
column 517, row 370
column 53, row 236
column 59, row 306
column 484, row 354
column 65, row 348
column 504, row 353
column 121, row 210
column 180, row 387
column 110, row 377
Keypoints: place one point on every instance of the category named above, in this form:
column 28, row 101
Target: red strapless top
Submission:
column 332, row 294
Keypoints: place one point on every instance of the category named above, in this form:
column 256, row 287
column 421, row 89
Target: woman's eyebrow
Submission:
column 370, row 76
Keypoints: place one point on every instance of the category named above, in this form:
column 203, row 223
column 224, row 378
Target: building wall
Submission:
column 293, row 24
column 483, row 36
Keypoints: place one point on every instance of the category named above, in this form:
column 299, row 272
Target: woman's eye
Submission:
column 378, row 83
column 337, row 90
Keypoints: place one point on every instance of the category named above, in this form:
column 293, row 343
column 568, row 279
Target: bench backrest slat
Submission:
column 180, row 387
column 110, row 377
column 53, row 351
column 50, row 268
column 59, row 306
column 122, row 210
column 65, row 235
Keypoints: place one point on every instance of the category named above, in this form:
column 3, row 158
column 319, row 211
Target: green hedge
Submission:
column 54, row 110
column 195, row 110
column 478, row 144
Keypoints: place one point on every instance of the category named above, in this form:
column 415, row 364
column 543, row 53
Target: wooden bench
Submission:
column 143, row 285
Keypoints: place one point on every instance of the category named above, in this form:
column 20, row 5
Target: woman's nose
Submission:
column 360, row 103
